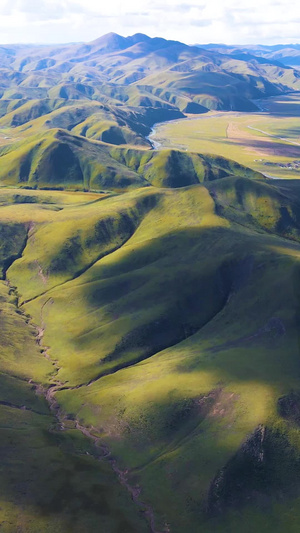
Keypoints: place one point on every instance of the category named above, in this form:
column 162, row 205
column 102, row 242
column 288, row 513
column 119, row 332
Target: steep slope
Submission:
column 131, row 69
column 172, row 317
column 112, row 124
column 59, row 159
column 41, row 465
column 173, row 168
column 149, row 299
column 115, row 89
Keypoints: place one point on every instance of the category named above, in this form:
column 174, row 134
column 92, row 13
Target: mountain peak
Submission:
column 139, row 38
column 112, row 41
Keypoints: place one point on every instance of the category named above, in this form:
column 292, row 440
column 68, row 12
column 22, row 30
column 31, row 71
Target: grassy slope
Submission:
column 47, row 481
column 173, row 168
column 100, row 228
column 207, row 303
column 149, row 74
column 172, row 314
column 90, row 119
column 108, row 123
column 58, row 159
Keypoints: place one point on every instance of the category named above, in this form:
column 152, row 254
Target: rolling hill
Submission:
column 57, row 159
column 170, row 317
column 149, row 299
column 141, row 71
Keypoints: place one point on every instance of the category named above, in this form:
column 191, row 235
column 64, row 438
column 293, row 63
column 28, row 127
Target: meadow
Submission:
column 157, row 320
column 268, row 141
column 149, row 299
column 51, row 480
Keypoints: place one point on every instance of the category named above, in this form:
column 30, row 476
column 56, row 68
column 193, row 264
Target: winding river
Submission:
column 269, row 149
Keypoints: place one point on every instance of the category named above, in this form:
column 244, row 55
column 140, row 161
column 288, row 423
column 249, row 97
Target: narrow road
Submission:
column 274, row 136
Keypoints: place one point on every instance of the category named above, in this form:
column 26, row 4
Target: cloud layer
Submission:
column 230, row 21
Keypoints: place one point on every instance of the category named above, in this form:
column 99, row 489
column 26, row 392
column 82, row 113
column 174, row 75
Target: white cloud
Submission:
column 231, row 21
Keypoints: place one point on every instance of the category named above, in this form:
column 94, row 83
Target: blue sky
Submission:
column 230, row 21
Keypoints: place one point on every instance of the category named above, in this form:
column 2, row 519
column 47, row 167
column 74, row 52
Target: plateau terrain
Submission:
column 150, row 289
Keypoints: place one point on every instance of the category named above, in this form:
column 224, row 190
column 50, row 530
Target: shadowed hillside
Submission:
column 166, row 313
column 136, row 72
column 114, row 89
column 58, row 159
column 149, row 299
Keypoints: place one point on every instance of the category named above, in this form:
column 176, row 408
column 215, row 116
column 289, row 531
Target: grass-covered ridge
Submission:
column 167, row 311
column 50, row 481
column 58, row 159
column 115, row 89
column 173, row 168
column 141, row 71
column 149, row 299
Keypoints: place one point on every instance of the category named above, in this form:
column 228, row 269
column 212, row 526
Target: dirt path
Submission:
column 274, row 136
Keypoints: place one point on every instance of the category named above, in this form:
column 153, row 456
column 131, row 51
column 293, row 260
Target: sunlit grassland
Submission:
column 58, row 248
column 144, row 412
column 235, row 135
column 50, row 481
column 149, row 299
column 192, row 297
column 172, row 317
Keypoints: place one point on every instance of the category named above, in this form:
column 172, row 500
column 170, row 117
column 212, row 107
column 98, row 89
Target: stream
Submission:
column 158, row 143
column 104, row 455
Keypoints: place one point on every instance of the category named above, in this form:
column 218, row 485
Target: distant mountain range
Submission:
column 286, row 54
column 56, row 101
column 140, row 71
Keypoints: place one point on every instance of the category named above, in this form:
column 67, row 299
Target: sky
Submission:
column 189, row 21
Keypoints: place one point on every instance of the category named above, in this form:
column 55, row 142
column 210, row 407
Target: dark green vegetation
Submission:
column 50, row 481
column 172, row 318
column 149, row 302
column 59, row 160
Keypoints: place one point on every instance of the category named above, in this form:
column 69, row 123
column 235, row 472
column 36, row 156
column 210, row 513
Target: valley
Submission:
column 268, row 141
column 149, row 292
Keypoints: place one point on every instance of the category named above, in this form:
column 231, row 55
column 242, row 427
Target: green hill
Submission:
column 167, row 312
column 50, row 480
column 114, row 89
column 149, row 299
column 132, row 69
column 58, row 159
